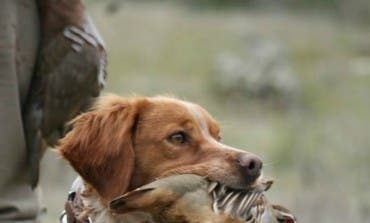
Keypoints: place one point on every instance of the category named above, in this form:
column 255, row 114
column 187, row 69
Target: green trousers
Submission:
column 19, row 37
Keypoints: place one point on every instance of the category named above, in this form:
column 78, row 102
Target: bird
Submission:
column 70, row 73
column 175, row 199
column 190, row 198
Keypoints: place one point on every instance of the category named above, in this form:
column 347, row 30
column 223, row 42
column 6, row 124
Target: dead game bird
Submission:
column 70, row 73
column 191, row 198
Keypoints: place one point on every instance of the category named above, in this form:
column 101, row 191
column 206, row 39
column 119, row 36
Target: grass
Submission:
column 319, row 152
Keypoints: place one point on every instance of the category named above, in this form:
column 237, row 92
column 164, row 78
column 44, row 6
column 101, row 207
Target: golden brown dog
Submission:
column 123, row 144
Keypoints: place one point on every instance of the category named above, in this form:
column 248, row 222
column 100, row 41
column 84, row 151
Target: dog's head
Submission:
column 125, row 143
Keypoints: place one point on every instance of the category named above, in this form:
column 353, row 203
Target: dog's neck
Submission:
column 97, row 211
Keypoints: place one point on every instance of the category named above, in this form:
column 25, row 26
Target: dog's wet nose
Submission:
column 251, row 165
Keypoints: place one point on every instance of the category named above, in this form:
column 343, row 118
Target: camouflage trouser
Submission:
column 19, row 36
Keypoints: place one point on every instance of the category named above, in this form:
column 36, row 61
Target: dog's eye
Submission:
column 178, row 138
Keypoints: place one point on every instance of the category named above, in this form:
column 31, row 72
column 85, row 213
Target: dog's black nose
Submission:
column 251, row 166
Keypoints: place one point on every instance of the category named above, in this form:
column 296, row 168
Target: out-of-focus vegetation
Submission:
column 353, row 11
column 315, row 142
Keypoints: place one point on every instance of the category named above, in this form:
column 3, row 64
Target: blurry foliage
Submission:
column 262, row 72
column 347, row 10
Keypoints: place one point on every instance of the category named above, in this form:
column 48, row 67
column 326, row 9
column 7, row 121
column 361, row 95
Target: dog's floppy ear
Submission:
column 100, row 147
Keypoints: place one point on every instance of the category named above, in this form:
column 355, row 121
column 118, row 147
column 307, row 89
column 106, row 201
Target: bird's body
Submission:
column 193, row 199
column 175, row 199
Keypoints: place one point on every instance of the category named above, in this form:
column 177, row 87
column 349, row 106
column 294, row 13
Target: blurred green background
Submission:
column 287, row 80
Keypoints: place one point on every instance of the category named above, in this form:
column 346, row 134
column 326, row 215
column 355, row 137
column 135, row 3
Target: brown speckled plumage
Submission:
column 70, row 73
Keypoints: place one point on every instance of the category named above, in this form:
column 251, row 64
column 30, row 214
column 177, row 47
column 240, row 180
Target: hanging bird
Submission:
column 70, row 73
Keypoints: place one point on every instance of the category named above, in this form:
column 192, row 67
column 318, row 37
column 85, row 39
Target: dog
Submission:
column 122, row 144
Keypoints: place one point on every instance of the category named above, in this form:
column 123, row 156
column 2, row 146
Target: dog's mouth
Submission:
column 237, row 203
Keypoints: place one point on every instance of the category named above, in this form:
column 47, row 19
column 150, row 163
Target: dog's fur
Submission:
column 123, row 144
